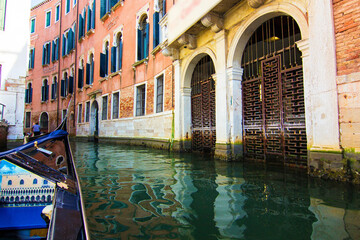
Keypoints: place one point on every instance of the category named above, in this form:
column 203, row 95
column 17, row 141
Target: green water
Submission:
column 138, row 193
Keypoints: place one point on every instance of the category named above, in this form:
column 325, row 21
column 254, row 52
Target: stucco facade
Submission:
column 104, row 94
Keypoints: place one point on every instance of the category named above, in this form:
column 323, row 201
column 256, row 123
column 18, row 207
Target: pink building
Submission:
column 105, row 56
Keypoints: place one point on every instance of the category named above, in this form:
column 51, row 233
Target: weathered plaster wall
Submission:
column 347, row 30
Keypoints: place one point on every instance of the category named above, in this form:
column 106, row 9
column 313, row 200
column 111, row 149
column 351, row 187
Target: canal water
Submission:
column 140, row 193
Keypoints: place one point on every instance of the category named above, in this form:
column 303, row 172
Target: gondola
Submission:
column 49, row 157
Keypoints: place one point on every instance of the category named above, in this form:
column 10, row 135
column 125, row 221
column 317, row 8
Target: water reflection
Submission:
column 135, row 193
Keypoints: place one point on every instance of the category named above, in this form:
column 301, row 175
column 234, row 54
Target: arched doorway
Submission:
column 44, row 122
column 273, row 94
column 94, row 121
column 203, row 106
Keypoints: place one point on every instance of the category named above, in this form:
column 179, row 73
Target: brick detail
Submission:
column 347, row 35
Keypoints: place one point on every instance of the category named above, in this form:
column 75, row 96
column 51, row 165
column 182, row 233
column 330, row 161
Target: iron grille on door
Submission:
column 273, row 94
column 203, row 106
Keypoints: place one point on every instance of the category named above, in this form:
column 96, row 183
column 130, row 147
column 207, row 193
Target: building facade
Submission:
column 273, row 81
column 14, row 42
column 104, row 58
column 267, row 80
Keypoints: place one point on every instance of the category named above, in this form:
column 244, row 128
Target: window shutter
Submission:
column 33, row 58
column 30, row 95
column 113, row 59
column 92, row 72
column 164, row 7
column 53, row 51
column 93, row 16
column 146, row 47
column 80, row 78
column 102, row 64
column 43, row 55
column 120, row 54
column 87, row 73
column 71, row 84
column 62, row 90
column 63, row 45
column 26, row 95
column 66, row 90
column 74, row 36
column 113, row 3
column 70, row 40
column 57, row 49
column 84, row 23
column 46, row 92
column 80, row 25
column 156, row 29
column 53, row 91
column 89, row 19
column 42, row 93
column 48, row 46
column 139, row 47
column 102, row 8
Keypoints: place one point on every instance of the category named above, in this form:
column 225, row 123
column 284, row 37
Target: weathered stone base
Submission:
column 337, row 166
column 181, row 146
column 223, row 152
column 146, row 142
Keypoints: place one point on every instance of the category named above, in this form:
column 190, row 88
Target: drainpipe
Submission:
column 59, row 74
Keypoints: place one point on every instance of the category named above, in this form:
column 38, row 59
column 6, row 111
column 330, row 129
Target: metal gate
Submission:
column 203, row 106
column 273, row 94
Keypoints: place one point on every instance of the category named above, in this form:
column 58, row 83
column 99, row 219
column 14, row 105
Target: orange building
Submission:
column 105, row 56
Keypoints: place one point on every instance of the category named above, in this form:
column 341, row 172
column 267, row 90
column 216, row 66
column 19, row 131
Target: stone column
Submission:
column 177, row 107
column 223, row 148
column 234, row 75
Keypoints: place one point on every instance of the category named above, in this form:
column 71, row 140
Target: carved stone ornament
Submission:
column 255, row 3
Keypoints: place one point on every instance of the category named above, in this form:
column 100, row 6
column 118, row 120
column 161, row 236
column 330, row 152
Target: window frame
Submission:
column 27, row 119
column 161, row 75
column 136, row 94
column 46, row 18
column 67, row 6
column 104, row 111
column 57, row 12
column 87, row 112
column 80, row 110
column 33, row 19
column 113, row 106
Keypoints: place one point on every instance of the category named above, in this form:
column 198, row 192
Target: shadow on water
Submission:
column 138, row 193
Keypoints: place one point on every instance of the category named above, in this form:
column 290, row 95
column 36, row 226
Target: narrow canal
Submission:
column 139, row 193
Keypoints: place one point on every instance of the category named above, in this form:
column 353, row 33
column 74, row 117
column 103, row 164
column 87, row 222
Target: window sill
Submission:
column 156, row 50
column 115, row 73
column 81, row 39
column 103, row 79
column 91, row 31
column 80, row 90
column 87, row 86
column 106, row 16
column 145, row 60
column 120, row 3
column 44, row 102
column 53, row 100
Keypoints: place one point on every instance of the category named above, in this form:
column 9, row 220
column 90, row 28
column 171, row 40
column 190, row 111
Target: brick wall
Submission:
column 347, row 34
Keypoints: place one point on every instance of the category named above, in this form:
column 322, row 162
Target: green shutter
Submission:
column 156, row 29
column 93, row 16
column 103, row 9
column 2, row 14
column 102, row 65
column 120, row 54
column 146, row 47
column 113, row 59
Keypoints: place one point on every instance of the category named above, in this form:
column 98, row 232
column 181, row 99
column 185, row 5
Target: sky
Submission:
column 35, row 2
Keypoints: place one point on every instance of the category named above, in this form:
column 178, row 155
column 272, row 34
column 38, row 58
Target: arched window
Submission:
column 22, row 182
column 71, row 82
column 35, row 181
column 54, row 88
column 45, row 182
column 64, row 85
column 116, row 54
column 9, row 182
column 45, row 91
column 104, row 61
column 90, row 70
column 143, row 38
column 81, row 74
column 28, row 93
